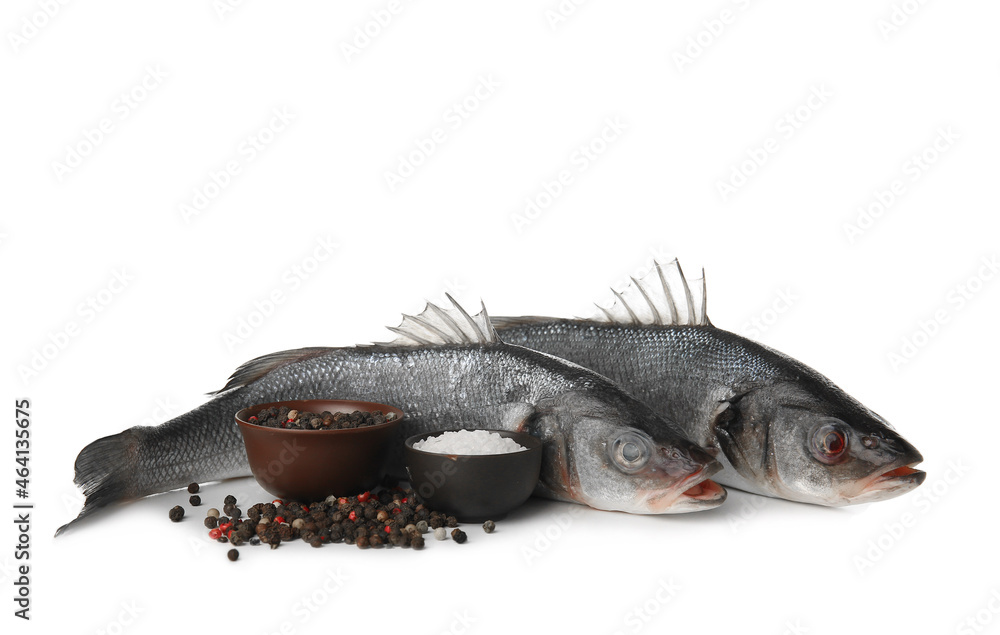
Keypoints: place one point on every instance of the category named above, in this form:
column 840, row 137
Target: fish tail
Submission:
column 105, row 472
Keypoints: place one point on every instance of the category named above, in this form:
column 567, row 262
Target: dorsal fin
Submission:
column 256, row 368
column 437, row 325
column 662, row 296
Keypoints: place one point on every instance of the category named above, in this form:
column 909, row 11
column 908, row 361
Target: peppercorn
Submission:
column 235, row 539
column 230, row 500
column 274, row 542
column 228, row 508
column 315, row 542
column 211, row 522
column 232, row 554
column 411, row 528
column 215, row 533
column 452, row 521
column 382, row 516
column 254, row 540
column 212, row 512
column 222, row 539
column 236, row 512
column 375, row 542
column 195, row 500
column 417, row 541
column 489, row 526
column 364, row 496
column 298, row 523
column 176, row 513
column 362, row 542
column 458, row 536
column 436, row 522
column 422, row 526
column 440, row 533
column 223, row 519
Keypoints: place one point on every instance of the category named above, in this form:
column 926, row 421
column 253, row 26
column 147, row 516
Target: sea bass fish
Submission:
column 780, row 428
column 447, row 369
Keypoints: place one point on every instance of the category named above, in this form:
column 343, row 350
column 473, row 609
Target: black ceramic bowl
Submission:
column 474, row 487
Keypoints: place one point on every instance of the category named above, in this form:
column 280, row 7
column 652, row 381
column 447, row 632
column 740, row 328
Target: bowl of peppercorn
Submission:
column 472, row 481
column 308, row 449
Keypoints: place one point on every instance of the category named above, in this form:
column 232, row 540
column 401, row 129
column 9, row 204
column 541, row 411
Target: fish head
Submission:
column 810, row 442
column 599, row 453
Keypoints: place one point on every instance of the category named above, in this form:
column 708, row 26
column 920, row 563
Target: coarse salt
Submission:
column 469, row 442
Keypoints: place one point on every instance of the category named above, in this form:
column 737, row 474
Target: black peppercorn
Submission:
column 211, row 522
column 176, row 513
column 458, row 536
column 193, row 488
column 233, row 554
column 195, row 500
column 230, row 500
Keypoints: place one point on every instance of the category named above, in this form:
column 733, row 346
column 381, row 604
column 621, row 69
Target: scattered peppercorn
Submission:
column 489, row 526
column 211, row 522
column 176, row 513
column 440, row 533
column 233, row 554
column 458, row 536
column 254, row 540
column 422, row 526
column 195, row 500
column 193, row 488
column 213, row 512
column 230, row 500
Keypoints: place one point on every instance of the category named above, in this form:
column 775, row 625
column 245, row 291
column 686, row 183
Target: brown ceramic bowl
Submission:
column 474, row 487
column 309, row 465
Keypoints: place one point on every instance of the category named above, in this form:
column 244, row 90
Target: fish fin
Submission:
column 523, row 320
column 444, row 325
column 256, row 368
column 104, row 470
column 663, row 296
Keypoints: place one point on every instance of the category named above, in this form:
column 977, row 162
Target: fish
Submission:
column 780, row 428
column 446, row 369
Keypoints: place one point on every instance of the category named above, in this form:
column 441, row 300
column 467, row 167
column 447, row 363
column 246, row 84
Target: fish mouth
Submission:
column 896, row 480
column 695, row 493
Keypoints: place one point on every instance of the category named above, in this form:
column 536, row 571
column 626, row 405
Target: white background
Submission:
column 776, row 250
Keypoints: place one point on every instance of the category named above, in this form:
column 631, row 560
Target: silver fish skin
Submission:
column 779, row 427
column 598, row 448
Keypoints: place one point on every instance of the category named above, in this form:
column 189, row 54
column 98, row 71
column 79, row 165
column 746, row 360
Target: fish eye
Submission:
column 630, row 452
column 830, row 442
